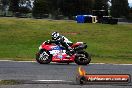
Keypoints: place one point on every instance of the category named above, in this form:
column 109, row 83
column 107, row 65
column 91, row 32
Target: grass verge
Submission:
column 20, row 38
column 9, row 82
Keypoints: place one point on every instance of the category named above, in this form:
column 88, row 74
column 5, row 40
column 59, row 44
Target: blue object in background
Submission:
column 80, row 18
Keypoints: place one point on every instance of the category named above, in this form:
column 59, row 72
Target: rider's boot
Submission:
column 69, row 53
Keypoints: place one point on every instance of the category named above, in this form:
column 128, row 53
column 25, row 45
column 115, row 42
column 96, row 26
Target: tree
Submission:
column 119, row 8
column 51, row 7
column 14, row 6
column 85, row 6
column 101, row 5
column 5, row 6
column 54, row 9
column 68, row 8
column 40, row 8
column 76, row 7
column 25, row 6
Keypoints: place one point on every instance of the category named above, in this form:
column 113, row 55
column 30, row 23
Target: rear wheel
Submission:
column 43, row 57
column 82, row 58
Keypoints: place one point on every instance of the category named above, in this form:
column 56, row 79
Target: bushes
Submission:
column 40, row 8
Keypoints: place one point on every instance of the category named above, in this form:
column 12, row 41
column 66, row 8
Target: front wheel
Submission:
column 43, row 57
column 82, row 58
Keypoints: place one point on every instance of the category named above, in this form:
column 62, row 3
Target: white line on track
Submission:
column 5, row 60
column 111, row 64
column 24, row 61
column 41, row 81
column 122, row 64
column 97, row 63
column 55, row 62
column 51, row 81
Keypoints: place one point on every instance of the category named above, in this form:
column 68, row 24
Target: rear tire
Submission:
column 82, row 58
column 43, row 57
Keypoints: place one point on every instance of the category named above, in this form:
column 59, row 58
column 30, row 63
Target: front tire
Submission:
column 82, row 58
column 43, row 57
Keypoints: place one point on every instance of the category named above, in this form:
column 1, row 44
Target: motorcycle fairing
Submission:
column 56, row 49
column 59, row 54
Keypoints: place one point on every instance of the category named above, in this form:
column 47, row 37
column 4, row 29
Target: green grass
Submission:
column 20, row 38
column 9, row 82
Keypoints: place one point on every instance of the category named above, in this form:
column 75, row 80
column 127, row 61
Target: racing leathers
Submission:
column 62, row 40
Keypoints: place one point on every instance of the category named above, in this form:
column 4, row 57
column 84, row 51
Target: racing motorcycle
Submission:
column 50, row 52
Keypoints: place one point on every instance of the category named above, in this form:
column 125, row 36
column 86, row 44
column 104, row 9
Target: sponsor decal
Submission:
column 84, row 78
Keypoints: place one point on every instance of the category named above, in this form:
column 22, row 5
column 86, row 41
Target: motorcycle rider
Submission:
column 60, row 39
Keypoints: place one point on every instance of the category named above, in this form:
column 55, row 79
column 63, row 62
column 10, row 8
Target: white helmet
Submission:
column 55, row 35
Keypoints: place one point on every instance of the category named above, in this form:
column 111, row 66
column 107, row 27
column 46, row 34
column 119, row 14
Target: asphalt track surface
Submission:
column 51, row 73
